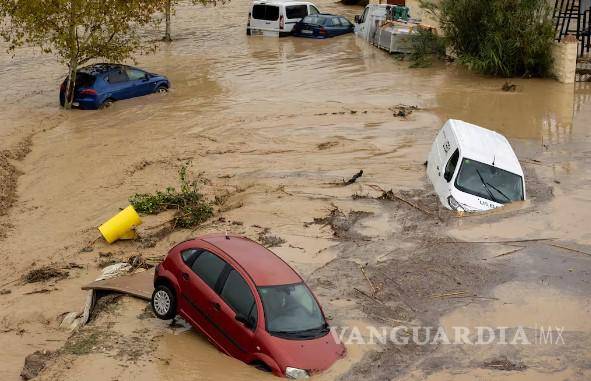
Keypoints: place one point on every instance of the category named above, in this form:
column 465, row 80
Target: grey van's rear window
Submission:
column 296, row 11
column 265, row 12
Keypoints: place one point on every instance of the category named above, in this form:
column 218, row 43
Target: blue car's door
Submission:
column 334, row 26
column 347, row 25
column 119, row 84
column 140, row 82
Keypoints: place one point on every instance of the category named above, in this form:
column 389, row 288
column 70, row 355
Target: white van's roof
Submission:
column 281, row 2
column 484, row 145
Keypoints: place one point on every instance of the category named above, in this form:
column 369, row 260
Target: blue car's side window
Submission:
column 117, row 76
column 135, row 74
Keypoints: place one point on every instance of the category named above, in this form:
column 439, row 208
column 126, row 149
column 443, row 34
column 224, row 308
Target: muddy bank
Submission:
column 9, row 175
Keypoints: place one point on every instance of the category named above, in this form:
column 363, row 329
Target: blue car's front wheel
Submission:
column 161, row 90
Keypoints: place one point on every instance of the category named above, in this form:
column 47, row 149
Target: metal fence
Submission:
column 573, row 17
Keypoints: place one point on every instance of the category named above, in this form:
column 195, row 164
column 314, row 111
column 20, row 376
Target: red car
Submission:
column 248, row 302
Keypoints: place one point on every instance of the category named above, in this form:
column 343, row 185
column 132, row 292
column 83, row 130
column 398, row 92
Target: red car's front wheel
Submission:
column 164, row 303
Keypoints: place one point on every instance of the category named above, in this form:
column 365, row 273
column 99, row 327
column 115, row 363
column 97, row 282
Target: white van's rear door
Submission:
column 360, row 29
column 264, row 20
column 437, row 163
column 293, row 14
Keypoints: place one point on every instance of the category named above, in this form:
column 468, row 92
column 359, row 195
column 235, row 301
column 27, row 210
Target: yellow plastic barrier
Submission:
column 120, row 226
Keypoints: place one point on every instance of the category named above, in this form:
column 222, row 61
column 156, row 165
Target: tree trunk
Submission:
column 71, row 84
column 73, row 65
column 167, row 33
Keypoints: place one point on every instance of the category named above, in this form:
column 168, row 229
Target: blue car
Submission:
column 322, row 25
column 99, row 85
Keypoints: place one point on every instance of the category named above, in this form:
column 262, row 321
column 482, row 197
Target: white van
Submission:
column 376, row 26
column 276, row 17
column 474, row 169
column 367, row 24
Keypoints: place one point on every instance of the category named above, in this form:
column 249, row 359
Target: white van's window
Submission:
column 364, row 15
column 450, row 168
column 489, row 182
column 296, row 11
column 258, row 12
column 314, row 10
column 265, row 12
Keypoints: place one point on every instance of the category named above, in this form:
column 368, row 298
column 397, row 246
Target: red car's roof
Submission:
column 264, row 267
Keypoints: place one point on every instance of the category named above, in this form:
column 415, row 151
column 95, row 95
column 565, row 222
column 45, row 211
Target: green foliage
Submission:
column 498, row 37
column 88, row 341
column 78, row 31
column 192, row 208
column 426, row 46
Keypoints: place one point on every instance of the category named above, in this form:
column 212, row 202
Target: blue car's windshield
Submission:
column 489, row 182
column 292, row 312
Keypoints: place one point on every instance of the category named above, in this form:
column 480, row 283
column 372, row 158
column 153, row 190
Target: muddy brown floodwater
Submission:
column 272, row 126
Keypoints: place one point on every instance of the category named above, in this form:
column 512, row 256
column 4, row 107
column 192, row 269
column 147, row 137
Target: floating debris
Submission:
column 35, row 363
column 504, row 364
column 43, row 274
column 509, row 87
column 403, row 111
column 354, row 178
column 268, row 240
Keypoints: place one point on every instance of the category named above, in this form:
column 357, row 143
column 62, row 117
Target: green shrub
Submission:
column 426, row 45
column 192, row 208
column 498, row 37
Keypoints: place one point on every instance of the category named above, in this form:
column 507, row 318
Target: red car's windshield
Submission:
column 292, row 312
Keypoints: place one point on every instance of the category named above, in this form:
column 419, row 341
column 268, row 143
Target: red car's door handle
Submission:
column 216, row 306
column 185, row 276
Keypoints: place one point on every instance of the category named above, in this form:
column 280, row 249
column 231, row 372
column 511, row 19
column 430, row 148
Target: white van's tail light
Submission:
column 281, row 22
column 248, row 23
column 454, row 204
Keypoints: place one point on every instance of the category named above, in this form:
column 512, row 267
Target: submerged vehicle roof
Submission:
column 100, row 68
column 489, row 147
column 264, row 267
column 325, row 15
column 282, row 2
column 321, row 17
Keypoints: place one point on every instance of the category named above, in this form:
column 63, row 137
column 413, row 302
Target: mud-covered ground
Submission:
column 273, row 128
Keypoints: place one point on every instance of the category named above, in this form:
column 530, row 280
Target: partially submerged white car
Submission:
column 474, row 169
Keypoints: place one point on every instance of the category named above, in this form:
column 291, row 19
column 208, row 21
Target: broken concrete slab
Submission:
column 139, row 284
